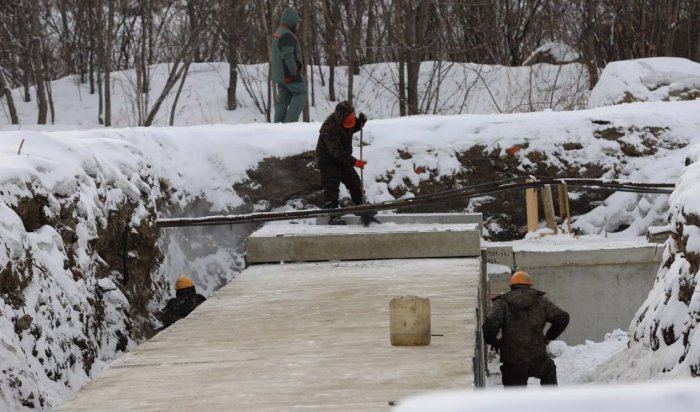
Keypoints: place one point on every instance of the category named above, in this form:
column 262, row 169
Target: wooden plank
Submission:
column 564, row 210
column 531, row 205
column 548, row 207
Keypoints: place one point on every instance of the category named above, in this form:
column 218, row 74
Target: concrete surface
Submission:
column 413, row 218
column 308, row 243
column 601, row 289
column 311, row 336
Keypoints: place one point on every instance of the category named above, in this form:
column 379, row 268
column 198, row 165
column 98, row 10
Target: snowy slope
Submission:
column 62, row 318
column 664, row 337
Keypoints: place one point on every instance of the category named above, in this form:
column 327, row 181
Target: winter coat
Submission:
column 334, row 141
column 287, row 62
column 521, row 316
column 180, row 306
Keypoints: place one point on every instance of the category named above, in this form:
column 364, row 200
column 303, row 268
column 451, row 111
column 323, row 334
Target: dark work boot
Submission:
column 337, row 221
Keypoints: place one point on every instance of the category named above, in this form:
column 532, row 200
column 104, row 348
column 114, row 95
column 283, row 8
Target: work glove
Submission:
column 546, row 341
column 362, row 118
column 360, row 164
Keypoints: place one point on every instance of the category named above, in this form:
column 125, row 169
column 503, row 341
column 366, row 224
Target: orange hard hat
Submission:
column 183, row 282
column 521, row 278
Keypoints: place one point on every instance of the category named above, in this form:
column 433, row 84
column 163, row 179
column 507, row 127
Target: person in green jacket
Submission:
column 287, row 69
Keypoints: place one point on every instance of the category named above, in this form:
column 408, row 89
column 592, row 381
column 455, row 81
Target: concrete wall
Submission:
column 601, row 289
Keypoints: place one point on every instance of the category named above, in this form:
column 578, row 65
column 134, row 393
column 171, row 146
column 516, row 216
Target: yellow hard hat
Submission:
column 521, row 278
column 183, row 282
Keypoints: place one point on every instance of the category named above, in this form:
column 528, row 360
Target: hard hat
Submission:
column 183, row 282
column 521, row 278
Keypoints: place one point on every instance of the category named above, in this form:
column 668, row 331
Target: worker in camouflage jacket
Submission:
column 334, row 157
column 185, row 301
column 287, row 69
column 521, row 315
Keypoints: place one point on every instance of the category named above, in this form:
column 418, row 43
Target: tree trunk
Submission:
column 371, row 27
column 402, row 61
column 232, row 40
column 38, row 67
column 177, row 95
column 330, row 49
column 266, row 16
column 108, row 64
column 7, row 92
column 306, row 30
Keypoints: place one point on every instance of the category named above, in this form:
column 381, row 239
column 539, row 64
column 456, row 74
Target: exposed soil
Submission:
column 277, row 181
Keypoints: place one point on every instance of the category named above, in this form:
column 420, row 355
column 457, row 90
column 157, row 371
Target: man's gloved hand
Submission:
column 362, row 118
column 546, row 341
column 360, row 164
column 496, row 346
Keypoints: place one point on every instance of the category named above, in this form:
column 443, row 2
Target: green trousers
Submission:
column 291, row 98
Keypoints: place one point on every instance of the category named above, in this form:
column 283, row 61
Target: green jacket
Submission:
column 287, row 64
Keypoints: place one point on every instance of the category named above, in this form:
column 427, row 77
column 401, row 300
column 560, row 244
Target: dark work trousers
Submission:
column 518, row 374
column 332, row 175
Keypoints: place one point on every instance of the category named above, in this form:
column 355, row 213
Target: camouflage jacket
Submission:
column 179, row 307
column 334, row 141
column 521, row 316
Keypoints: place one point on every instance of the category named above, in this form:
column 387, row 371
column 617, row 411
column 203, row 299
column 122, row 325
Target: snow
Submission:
column 445, row 88
column 560, row 53
column 567, row 242
column 652, row 79
column 664, row 338
column 97, row 170
column 678, row 396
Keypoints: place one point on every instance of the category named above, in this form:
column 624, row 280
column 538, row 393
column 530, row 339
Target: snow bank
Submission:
column 664, row 337
column 63, row 316
column 647, row 80
column 678, row 396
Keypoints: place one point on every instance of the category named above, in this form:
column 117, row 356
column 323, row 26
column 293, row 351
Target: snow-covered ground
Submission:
column 445, row 88
column 87, row 176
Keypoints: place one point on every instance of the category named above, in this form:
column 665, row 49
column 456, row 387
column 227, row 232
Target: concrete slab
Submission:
column 413, row 218
column 311, row 336
column 308, row 243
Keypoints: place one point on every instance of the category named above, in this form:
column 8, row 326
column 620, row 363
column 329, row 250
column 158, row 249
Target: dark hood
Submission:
column 342, row 110
column 522, row 298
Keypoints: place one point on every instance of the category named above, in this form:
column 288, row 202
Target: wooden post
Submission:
column 531, row 204
column 548, row 207
column 564, row 210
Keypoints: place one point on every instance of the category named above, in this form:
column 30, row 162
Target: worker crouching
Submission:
column 521, row 316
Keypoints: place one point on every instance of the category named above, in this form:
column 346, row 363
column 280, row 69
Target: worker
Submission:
column 335, row 160
column 287, row 69
column 185, row 301
column 521, row 315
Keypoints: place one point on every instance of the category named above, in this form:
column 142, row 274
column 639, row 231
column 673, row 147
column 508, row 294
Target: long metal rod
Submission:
column 478, row 190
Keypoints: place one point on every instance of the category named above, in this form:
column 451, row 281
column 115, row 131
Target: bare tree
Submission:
column 38, row 67
column 8, row 95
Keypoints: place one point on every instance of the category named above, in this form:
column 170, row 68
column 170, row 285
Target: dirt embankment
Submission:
column 277, row 181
